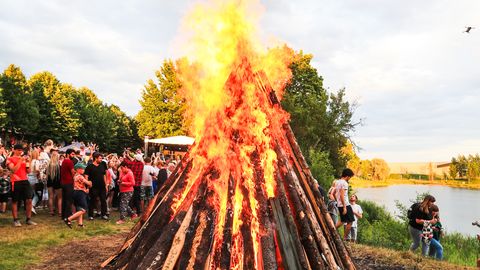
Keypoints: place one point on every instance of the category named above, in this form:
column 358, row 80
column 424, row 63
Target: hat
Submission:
column 139, row 157
column 80, row 165
column 18, row 147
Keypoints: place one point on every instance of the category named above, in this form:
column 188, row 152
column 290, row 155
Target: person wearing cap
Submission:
column 21, row 188
column 136, row 165
column 80, row 191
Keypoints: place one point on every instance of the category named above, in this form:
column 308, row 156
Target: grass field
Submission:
column 361, row 183
column 23, row 246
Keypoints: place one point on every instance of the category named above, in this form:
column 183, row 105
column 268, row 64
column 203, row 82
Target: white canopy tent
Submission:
column 175, row 140
column 173, row 144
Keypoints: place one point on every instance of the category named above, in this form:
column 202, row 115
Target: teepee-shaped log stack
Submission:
column 290, row 230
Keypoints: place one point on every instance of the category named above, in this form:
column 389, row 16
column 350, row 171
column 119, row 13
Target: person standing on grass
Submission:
column 126, row 183
column 97, row 173
column 420, row 214
column 80, row 192
column 136, row 165
column 21, row 188
column 357, row 214
column 53, row 184
column 343, row 204
column 4, row 190
column 67, row 172
column 146, row 188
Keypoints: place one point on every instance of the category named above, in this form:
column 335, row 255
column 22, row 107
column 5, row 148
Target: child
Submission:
column 436, row 249
column 80, row 193
column 126, row 183
column 4, row 190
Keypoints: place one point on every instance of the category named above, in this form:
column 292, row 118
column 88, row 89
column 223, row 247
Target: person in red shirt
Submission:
column 66, row 180
column 21, row 188
column 126, row 182
column 135, row 164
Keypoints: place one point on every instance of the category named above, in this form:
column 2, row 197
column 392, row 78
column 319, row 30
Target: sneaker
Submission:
column 33, row 210
column 17, row 223
column 30, row 222
column 81, row 226
column 105, row 218
column 134, row 216
column 120, row 222
column 90, row 218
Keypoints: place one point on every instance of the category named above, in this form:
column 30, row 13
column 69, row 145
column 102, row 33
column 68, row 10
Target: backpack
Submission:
column 411, row 210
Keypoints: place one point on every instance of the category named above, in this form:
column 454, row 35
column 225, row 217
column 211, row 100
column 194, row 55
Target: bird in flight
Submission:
column 468, row 29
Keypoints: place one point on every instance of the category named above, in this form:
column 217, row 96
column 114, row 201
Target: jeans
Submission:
column 416, row 238
column 436, row 249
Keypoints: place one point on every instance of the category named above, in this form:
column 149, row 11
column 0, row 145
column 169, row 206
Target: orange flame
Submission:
column 231, row 118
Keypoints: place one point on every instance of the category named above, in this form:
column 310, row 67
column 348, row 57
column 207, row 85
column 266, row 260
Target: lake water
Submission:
column 458, row 207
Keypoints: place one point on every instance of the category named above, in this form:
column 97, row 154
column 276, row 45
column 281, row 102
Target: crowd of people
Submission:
column 78, row 182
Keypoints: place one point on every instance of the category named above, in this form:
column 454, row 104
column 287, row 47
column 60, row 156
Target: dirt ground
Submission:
column 89, row 254
column 84, row 254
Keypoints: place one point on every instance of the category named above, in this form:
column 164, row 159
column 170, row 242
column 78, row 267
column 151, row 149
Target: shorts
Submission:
column 146, row 192
column 352, row 235
column 348, row 217
column 80, row 200
column 4, row 197
column 21, row 190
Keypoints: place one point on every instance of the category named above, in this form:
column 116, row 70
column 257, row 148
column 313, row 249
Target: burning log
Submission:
column 255, row 207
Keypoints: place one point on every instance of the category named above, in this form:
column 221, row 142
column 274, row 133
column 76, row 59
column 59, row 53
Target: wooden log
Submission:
column 307, row 235
column 343, row 254
column 152, row 229
column 205, row 242
column 178, row 242
column 157, row 253
column 195, row 227
column 245, row 230
column 289, row 255
column 293, row 232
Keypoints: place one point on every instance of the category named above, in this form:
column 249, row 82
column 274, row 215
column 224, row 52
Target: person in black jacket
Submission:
column 420, row 215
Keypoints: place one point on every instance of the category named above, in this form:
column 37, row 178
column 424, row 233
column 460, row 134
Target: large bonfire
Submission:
column 243, row 198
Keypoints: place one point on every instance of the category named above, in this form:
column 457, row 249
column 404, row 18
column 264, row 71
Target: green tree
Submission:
column 320, row 121
column 58, row 119
column 21, row 110
column 162, row 112
column 453, row 170
column 321, row 168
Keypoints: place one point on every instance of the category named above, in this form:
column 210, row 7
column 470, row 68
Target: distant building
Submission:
column 431, row 169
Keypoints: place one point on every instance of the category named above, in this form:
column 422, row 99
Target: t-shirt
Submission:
column 356, row 209
column 21, row 173
column 78, row 183
column 96, row 174
column 418, row 214
column 339, row 185
column 127, row 181
column 147, row 175
column 66, row 177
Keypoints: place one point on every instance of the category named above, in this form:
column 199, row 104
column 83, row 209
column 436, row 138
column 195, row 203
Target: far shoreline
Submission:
column 361, row 183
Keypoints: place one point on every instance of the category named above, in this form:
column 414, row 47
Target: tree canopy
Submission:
column 321, row 121
column 162, row 112
column 42, row 108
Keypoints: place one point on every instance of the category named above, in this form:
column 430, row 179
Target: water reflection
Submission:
column 458, row 207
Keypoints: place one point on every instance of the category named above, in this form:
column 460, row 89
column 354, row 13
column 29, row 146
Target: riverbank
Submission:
column 362, row 183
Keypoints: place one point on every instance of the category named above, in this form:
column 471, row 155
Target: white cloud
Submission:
column 408, row 63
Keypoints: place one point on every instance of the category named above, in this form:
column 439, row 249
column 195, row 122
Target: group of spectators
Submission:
column 78, row 181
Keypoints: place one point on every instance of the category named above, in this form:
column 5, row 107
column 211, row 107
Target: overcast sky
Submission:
column 414, row 74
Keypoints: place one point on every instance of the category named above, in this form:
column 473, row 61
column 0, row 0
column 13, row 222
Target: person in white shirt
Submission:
column 357, row 213
column 344, row 208
column 146, row 187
